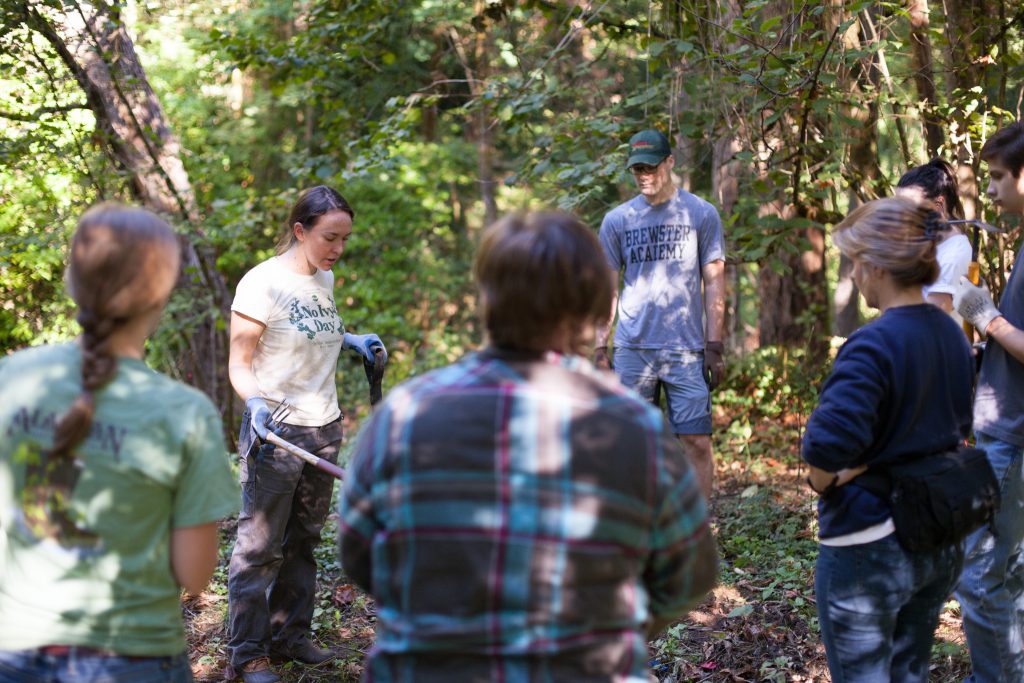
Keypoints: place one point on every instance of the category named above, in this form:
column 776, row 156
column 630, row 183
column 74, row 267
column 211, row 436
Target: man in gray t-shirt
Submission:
column 991, row 590
column 668, row 245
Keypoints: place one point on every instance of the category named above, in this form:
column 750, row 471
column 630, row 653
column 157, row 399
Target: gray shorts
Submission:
column 680, row 373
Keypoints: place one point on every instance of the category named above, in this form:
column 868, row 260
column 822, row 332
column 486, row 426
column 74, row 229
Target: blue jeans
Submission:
column 878, row 607
column 30, row 666
column 991, row 590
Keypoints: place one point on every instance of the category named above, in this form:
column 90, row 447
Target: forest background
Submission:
column 433, row 117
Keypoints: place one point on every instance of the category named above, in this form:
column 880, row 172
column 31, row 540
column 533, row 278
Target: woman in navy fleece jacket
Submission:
column 900, row 388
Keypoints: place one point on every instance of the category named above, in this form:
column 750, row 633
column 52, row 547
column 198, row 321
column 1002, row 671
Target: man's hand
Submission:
column 714, row 364
column 259, row 416
column 601, row 359
column 974, row 303
column 364, row 345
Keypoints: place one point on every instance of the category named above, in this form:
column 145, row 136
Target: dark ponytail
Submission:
column 937, row 178
column 311, row 204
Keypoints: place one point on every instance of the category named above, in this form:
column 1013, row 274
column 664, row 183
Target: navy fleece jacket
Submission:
column 900, row 388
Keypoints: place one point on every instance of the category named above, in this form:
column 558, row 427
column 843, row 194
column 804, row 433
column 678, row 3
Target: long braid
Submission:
column 114, row 275
column 98, row 368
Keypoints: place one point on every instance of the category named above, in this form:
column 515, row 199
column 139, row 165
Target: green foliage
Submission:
column 769, row 393
column 396, row 108
column 33, row 306
column 772, row 548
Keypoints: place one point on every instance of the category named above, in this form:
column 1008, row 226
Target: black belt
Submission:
column 85, row 651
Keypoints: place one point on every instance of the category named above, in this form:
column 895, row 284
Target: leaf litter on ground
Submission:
column 758, row 624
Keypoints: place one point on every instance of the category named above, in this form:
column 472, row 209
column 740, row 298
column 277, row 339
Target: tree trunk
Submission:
column 476, row 69
column 725, row 183
column 794, row 302
column 93, row 44
column 864, row 177
column 792, row 288
column 484, row 142
column 726, row 170
column 924, row 75
column 963, row 22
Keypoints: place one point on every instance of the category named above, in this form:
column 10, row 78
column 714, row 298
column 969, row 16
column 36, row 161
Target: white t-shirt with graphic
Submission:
column 297, row 354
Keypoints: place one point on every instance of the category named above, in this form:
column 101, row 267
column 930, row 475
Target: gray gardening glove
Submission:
column 974, row 303
column 364, row 345
column 259, row 417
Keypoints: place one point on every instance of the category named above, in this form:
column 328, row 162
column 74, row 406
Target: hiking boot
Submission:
column 304, row 651
column 258, row 671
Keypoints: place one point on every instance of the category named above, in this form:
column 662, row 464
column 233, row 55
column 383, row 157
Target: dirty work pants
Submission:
column 272, row 575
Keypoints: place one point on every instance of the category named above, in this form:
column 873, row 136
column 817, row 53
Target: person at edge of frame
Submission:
column 991, row 588
column 936, row 182
column 112, row 476
column 885, row 402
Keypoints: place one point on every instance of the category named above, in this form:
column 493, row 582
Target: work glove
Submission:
column 601, row 359
column 364, row 345
column 259, row 417
column 714, row 364
column 974, row 303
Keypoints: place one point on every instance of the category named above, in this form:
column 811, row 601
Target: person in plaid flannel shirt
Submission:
column 520, row 515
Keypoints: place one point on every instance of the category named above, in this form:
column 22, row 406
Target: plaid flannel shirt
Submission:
column 519, row 517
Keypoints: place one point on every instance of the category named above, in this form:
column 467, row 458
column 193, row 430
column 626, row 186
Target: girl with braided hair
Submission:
column 112, row 476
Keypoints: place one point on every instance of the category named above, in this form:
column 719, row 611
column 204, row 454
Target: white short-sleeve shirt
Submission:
column 297, row 355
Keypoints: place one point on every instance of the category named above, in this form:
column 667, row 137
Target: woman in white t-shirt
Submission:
column 936, row 182
column 286, row 335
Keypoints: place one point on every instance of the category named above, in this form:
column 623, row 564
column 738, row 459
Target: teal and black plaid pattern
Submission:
column 519, row 517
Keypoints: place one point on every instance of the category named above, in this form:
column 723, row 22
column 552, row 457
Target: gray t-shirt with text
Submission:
column 999, row 398
column 661, row 250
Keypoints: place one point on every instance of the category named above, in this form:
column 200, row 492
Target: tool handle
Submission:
column 974, row 272
column 974, row 275
column 375, row 374
column 317, row 462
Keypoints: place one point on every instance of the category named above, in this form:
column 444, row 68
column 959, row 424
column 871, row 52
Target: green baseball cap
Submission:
column 648, row 147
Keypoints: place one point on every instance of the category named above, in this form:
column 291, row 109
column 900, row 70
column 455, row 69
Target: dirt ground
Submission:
column 758, row 625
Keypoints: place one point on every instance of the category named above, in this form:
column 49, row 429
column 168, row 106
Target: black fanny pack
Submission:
column 937, row 499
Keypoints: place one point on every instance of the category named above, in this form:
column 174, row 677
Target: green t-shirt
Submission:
column 86, row 561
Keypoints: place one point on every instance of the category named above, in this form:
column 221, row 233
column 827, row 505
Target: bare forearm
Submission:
column 604, row 331
column 657, row 624
column 243, row 380
column 699, row 577
column 714, row 300
column 1009, row 337
column 942, row 300
column 245, row 335
column 194, row 556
